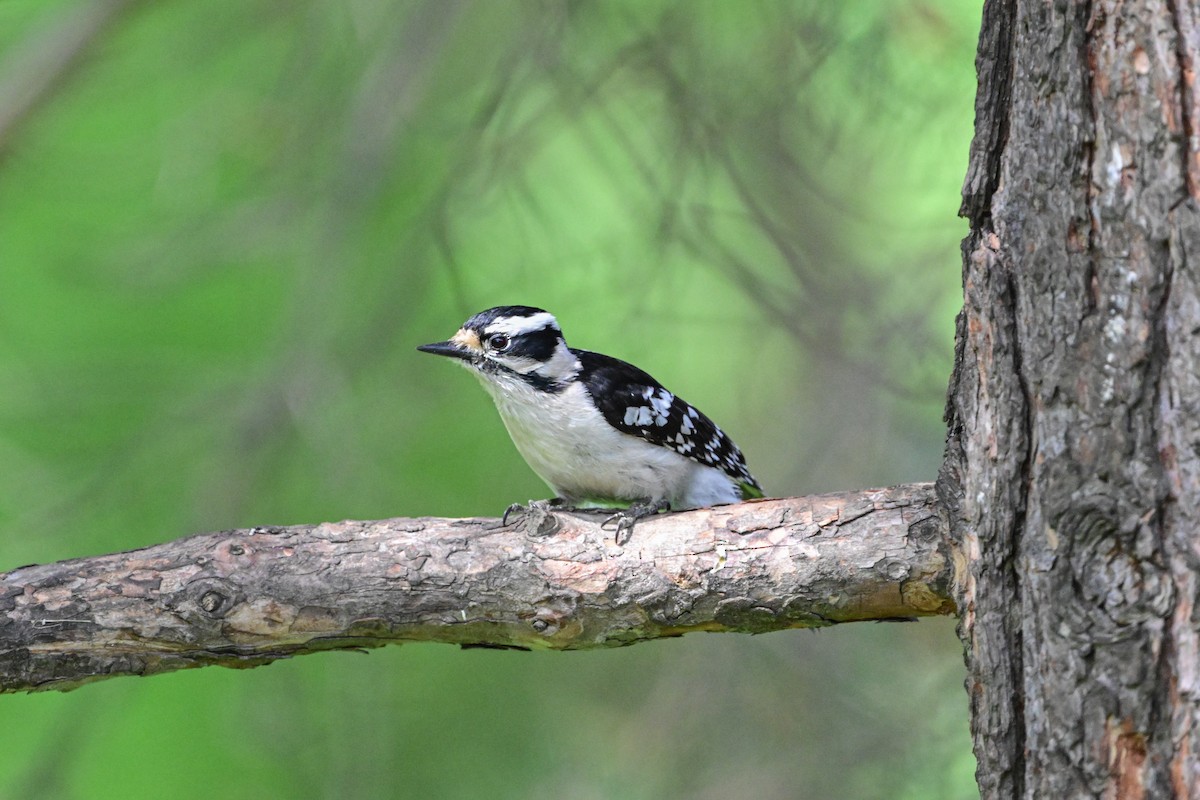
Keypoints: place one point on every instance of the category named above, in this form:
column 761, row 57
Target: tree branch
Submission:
column 247, row 597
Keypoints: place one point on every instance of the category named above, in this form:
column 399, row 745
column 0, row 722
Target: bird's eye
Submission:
column 498, row 342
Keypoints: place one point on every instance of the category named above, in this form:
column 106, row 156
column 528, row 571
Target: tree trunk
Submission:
column 1073, row 459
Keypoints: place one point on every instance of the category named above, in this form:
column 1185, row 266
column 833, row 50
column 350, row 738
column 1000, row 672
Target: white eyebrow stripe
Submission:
column 515, row 326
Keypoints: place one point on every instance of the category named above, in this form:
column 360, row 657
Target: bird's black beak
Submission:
column 451, row 349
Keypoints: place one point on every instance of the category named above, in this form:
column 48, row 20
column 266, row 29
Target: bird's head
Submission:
column 512, row 343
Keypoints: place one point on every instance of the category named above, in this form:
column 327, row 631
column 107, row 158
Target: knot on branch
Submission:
column 207, row 598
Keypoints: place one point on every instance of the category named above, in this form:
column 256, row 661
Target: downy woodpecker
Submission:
column 599, row 431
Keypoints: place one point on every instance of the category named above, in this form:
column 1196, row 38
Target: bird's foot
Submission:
column 623, row 521
column 537, row 517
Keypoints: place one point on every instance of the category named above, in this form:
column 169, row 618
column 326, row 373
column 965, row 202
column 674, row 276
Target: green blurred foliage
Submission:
column 225, row 227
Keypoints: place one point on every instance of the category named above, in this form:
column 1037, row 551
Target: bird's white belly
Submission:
column 570, row 445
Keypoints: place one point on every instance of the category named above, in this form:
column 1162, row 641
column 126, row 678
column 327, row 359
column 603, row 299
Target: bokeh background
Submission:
column 224, row 226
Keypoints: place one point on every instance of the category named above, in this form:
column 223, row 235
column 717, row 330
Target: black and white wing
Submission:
column 633, row 402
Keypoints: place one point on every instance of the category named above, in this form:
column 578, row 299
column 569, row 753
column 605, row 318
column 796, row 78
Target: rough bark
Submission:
column 246, row 597
column 1072, row 465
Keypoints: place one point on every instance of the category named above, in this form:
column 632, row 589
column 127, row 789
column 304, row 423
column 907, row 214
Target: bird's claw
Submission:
column 624, row 526
column 515, row 508
column 536, row 517
column 627, row 518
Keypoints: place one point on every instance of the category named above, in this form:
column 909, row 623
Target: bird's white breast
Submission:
column 568, row 443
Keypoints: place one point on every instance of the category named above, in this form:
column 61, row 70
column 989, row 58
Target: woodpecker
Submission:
column 599, row 431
